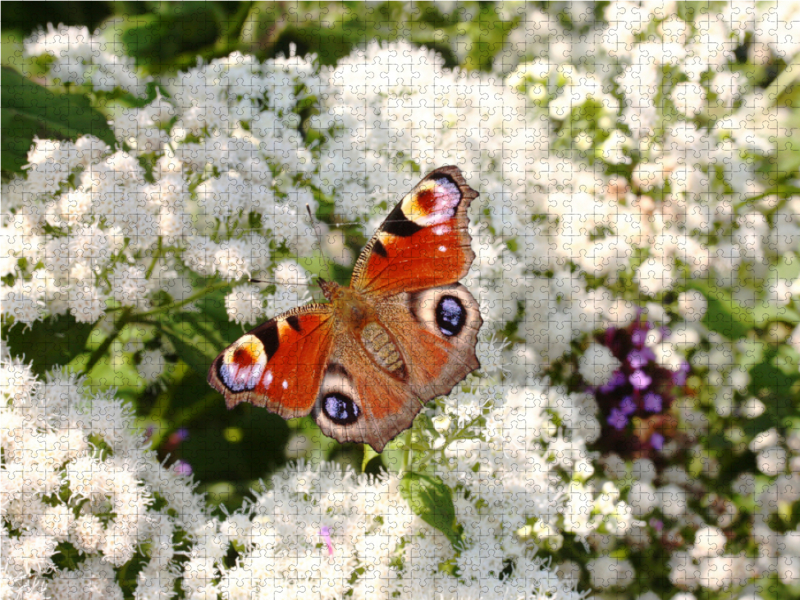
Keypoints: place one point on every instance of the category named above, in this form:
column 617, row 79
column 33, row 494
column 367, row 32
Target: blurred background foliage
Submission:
column 165, row 36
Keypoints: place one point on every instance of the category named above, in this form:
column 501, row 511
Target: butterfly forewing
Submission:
column 424, row 242
column 279, row 364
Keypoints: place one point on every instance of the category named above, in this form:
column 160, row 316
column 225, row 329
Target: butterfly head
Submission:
column 330, row 289
column 349, row 306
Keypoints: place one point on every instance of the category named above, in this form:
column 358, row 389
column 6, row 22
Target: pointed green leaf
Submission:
column 29, row 109
column 431, row 499
column 725, row 314
column 196, row 343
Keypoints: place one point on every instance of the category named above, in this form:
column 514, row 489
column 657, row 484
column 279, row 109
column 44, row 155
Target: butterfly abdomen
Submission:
column 382, row 349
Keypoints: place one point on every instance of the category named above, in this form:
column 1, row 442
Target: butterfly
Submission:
column 364, row 363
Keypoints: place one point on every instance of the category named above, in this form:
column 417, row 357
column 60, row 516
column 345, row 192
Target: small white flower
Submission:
column 442, row 423
column 597, row 364
column 642, row 498
column 245, row 304
column 692, row 305
column 771, row 461
column 233, row 259
column 613, row 149
column 765, row 439
column 708, row 541
column 490, row 355
column 607, row 572
column 289, row 273
column 689, row 98
column 673, row 500
column 647, row 176
column 753, row 408
column 129, row 286
column 86, row 304
column 655, row 275
column 23, row 301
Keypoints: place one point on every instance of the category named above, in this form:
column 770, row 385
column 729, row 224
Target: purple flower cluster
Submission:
column 637, row 397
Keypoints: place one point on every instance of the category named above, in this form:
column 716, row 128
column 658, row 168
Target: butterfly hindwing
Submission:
column 421, row 345
column 424, row 242
column 279, row 364
column 437, row 330
column 360, row 403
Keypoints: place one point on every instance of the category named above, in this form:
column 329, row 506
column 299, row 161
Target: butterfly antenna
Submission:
column 317, row 231
column 315, row 226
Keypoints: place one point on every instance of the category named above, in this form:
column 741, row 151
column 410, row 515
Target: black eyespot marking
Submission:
column 450, row 315
column 269, row 337
column 398, row 224
column 379, row 249
column 340, row 409
column 293, row 322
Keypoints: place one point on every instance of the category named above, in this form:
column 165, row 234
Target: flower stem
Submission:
column 156, row 255
column 119, row 324
column 406, row 452
column 189, row 300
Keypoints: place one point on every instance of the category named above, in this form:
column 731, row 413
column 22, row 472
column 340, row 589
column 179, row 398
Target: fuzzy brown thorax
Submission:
column 357, row 315
column 349, row 306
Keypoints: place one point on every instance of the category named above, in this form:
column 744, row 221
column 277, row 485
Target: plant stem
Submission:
column 777, row 190
column 783, row 80
column 156, row 256
column 406, row 452
column 189, row 300
column 119, row 324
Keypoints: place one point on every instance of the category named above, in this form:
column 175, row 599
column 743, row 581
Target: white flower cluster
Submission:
column 89, row 228
column 83, row 58
column 77, row 474
column 324, row 530
column 695, row 143
column 604, row 184
column 393, row 113
column 70, row 460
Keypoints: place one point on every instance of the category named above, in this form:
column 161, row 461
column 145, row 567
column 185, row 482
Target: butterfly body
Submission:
column 357, row 319
column 402, row 333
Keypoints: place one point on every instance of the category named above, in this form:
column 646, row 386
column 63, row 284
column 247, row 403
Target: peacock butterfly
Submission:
column 404, row 332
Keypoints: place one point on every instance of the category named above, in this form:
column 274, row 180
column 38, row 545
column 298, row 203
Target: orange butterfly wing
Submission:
column 279, row 364
column 424, row 242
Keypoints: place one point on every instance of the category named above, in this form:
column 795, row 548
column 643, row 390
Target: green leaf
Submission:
column 724, row 315
column 764, row 313
column 199, row 337
column 154, row 39
column 196, row 340
column 369, row 454
column 431, row 499
column 48, row 343
column 29, row 109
